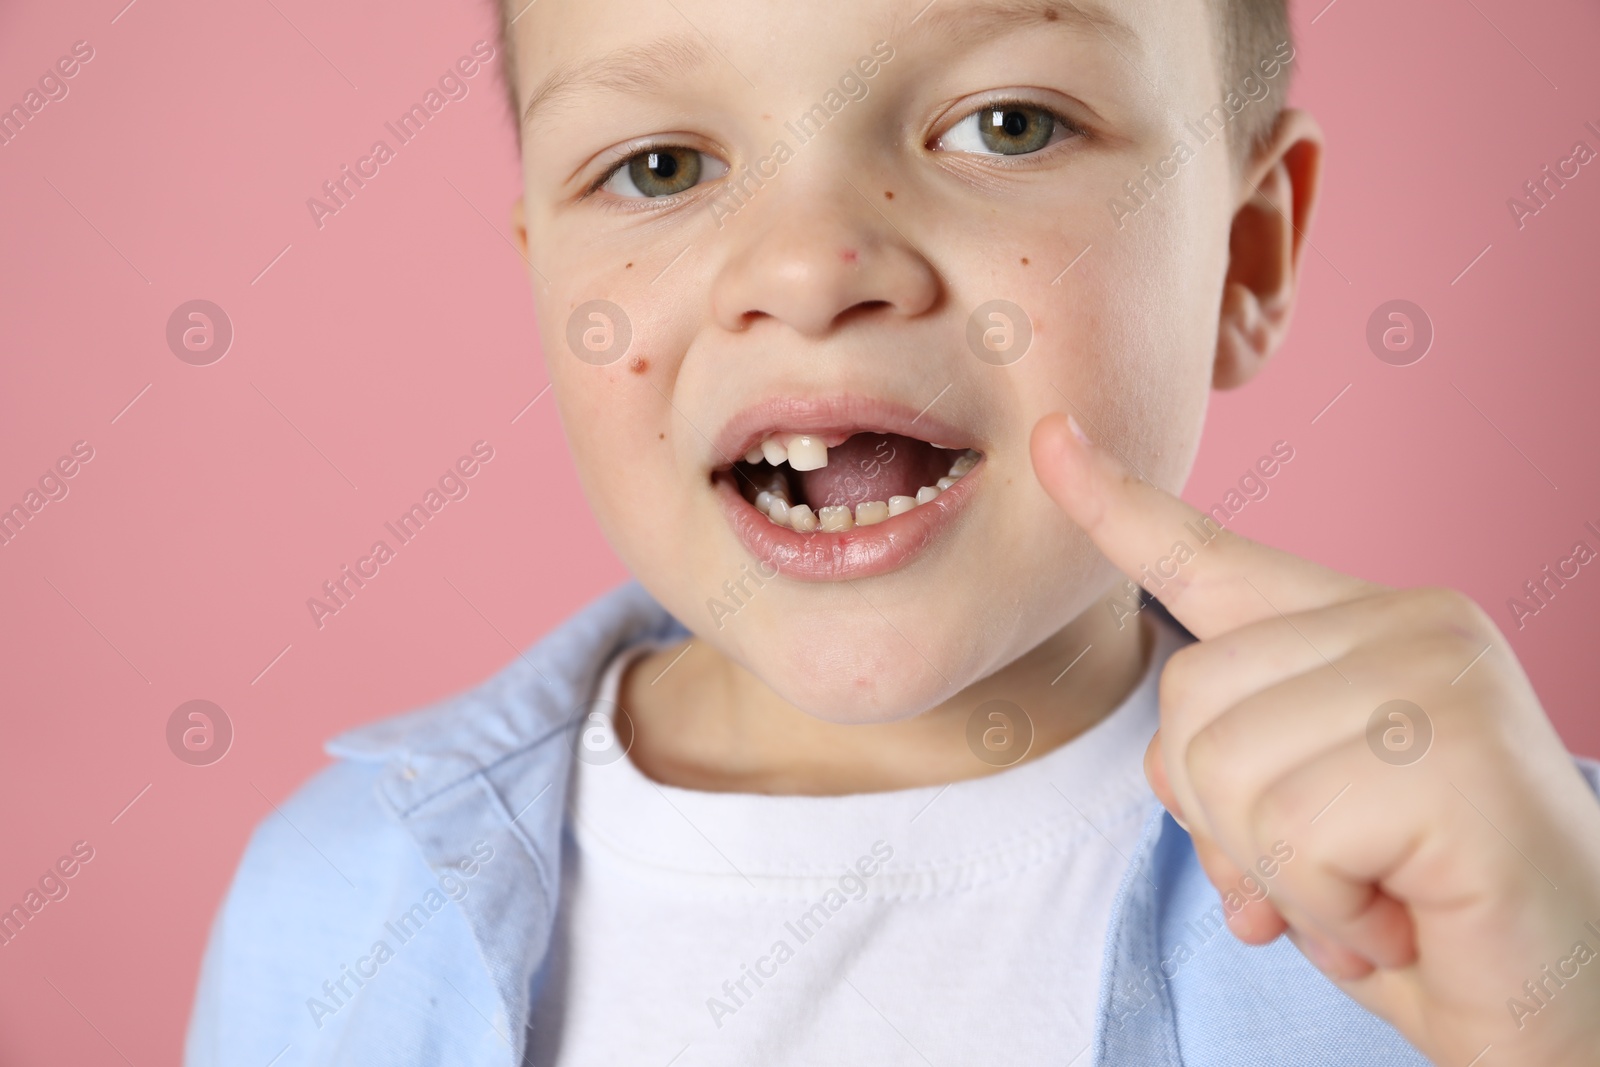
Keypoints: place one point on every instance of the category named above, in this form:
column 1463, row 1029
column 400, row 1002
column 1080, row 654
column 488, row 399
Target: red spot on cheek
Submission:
column 849, row 255
column 638, row 364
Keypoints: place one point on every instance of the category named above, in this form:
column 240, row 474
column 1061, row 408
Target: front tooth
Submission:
column 927, row 493
column 961, row 466
column 773, row 452
column 778, row 511
column 945, row 483
column 835, row 519
column 871, row 512
column 755, row 455
column 899, row 505
column 807, row 453
column 802, row 519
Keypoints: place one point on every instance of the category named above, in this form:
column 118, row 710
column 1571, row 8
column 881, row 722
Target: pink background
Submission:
column 376, row 350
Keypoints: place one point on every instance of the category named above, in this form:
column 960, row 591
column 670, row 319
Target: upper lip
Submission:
column 839, row 414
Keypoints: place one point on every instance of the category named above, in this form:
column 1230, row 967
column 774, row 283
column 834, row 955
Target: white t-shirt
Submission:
column 955, row 924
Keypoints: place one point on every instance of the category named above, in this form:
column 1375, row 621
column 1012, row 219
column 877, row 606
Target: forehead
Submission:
column 569, row 50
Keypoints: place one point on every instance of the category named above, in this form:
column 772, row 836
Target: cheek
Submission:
column 1126, row 338
column 618, row 430
column 615, row 427
column 636, row 469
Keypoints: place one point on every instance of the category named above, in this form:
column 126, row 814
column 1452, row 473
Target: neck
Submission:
column 711, row 725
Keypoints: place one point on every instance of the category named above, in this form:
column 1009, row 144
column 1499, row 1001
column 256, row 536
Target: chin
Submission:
column 859, row 675
column 845, row 662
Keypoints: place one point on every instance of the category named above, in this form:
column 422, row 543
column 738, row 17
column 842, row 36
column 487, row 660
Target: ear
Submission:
column 1277, row 195
column 519, row 227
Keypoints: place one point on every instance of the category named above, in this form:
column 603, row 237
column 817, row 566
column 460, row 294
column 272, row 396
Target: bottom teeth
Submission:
column 837, row 518
column 871, row 512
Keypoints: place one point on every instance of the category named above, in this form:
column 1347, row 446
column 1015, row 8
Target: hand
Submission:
column 1441, row 859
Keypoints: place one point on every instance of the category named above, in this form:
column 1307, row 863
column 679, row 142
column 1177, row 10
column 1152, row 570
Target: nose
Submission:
column 812, row 260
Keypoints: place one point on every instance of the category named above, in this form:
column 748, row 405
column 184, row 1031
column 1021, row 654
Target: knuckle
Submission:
column 1453, row 609
column 1212, row 762
column 1180, row 676
column 1275, row 814
column 1205, row 757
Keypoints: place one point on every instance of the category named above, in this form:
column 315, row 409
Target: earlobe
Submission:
column 519, row 227
column 1278, row 193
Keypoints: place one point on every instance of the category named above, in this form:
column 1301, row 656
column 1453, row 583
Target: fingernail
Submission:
column 1077, row 431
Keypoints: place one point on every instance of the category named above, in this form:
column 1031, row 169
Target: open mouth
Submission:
column 847, row 490
column 811, row 482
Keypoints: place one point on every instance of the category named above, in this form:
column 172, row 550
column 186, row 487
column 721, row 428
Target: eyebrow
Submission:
column 972, row 23
column 640, row 70
column 635, row 70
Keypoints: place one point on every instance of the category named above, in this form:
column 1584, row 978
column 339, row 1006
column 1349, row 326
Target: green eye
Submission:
column 1004, row 130
column 1015, row 131
column 664, row 171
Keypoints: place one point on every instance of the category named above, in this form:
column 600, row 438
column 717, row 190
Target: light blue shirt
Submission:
column 397, row 909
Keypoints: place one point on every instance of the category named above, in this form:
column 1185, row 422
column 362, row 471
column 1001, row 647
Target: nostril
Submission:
column 865, row 308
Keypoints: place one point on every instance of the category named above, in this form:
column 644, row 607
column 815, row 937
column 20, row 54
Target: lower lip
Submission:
column 860, row 552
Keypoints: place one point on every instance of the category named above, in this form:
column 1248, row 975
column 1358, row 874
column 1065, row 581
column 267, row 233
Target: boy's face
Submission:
column 907, row 163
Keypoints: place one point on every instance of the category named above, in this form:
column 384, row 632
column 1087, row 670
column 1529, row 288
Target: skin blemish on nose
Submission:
column 638, row 364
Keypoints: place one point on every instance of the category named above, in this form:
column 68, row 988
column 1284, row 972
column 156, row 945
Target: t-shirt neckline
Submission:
column 944, row 837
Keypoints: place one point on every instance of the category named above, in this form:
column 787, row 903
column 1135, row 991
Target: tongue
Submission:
column 874, row 466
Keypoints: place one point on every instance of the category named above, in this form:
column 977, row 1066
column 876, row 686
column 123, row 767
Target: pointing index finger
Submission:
column 1210, row 579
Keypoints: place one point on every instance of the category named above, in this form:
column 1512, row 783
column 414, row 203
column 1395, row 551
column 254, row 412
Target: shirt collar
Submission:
column 493, row 764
